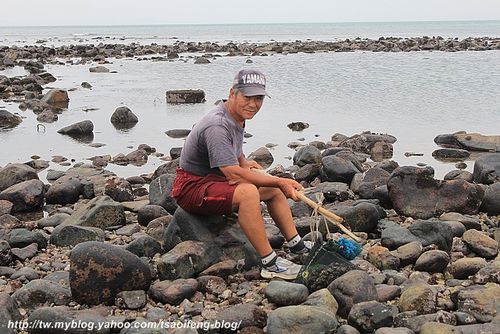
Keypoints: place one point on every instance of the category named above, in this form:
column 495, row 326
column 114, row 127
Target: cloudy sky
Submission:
column 149, row 12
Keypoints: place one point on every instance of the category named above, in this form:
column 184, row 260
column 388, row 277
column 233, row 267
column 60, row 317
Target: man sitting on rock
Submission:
column 214, row 177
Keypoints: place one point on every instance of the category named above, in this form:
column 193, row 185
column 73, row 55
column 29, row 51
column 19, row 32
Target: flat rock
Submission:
column 301, row 319
column 286, row 293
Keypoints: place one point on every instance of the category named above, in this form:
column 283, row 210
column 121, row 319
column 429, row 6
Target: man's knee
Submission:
column 246, row 192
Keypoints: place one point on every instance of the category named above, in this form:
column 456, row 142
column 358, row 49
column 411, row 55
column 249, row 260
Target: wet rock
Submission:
column 286, row 293
column 480, row 301
column 178, row 133
column 100, row 212
column 150, row 212
column 9, row 120
column 119, row 189
column 159, row 192
column 301, row 319
column 66, row 191
column 124, row 118
column 337, row 169
column 185, row 96
column 99, row 69
column 173, row 292
column 16, row 173
column 41, row 292
column 491, row 204
column 351, row 288
column 487, row 169
column 144, row 246
column 247, row 315
column 368, row 316
column 298, row 126
column 420, row 298
column 187, row 259
column 57, row 98
column 71, row 235
column 465, row 267
column 99, row 271
column 433, row 261
column 262, row 156
column 450, row 154
column 79, row 128
column 414, row 192
column 307, row 155
column 85, row 84
column 481, row 244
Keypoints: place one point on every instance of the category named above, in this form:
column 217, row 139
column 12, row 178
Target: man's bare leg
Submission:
column 278, row 208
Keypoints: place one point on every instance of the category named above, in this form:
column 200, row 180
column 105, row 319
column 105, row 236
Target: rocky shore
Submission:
column 91, row 247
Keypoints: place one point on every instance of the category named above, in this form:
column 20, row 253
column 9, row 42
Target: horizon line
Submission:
column 238, row 23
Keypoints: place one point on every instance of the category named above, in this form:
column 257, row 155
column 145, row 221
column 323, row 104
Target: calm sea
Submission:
column 413, row 96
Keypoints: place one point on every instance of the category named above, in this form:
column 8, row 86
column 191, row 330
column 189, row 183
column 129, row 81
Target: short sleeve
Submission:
column 220, row 147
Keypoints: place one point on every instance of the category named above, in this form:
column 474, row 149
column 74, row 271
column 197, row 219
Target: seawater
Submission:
column 413, row 96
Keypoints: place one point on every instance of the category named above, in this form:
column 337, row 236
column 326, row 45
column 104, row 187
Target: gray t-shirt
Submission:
column 215, row 141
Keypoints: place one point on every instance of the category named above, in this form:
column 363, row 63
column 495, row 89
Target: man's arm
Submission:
column 249, row 164
column 238, row 175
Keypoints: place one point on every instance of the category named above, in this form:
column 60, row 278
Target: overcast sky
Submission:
column 149, row 12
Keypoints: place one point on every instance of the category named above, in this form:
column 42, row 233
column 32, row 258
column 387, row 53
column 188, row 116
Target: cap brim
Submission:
column 254, row 91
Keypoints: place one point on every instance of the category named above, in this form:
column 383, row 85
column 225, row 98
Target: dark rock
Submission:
column 65, row 320
column 433, row 261
column 8, row 312
column 479, row 301
column 373, row 178
column 99, row 69
column 396, row 236
column 47, row 116
column 450, row 154
column 307, row 155
column 52, row 221
column 246, row 315
column 8, row 120
column 41, row 292
column 5, row 207
column 221, row 269
column 212, row 284
column 144, row 247
column 419, row 297
column 202, row 60
column 414, row 192
column 173, row 292
column 71, row 235
column 387, row 292
column 301, row 319
column 100, row 212
column 25, row 253
column 371, row 315
column 447, row 140
column 478, row 142
column 131, row 300
column 465, row 267
column 175, row 152
column 337, row 169
column 8, row 222
column 185, row 96
column 178, row 133
column 20, row 237
column 491, row 204
column 362, row 217
column 262, row 156
column 298, row 126
column 5, row 253
column 25, row 274
column 150, row 212
column 487, row 169
column 119, row 189
column 80, row 128
column 124, row 118
column 16, row 173
column 159, row 192
column 381, row 258
column 187, row 259
column 481, row 244
column 64, row 192
column 286, row 293
column 433, row 232
column 459, row 175
column 99, row 271
column 351, row 288
column 307, row 173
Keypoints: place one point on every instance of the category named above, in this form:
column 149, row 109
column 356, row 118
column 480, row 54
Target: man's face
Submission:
column 244, row 107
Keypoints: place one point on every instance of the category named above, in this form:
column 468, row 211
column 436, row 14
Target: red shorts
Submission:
column 209, row 195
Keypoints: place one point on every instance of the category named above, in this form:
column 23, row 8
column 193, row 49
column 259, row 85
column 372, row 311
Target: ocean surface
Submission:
column 414, row 96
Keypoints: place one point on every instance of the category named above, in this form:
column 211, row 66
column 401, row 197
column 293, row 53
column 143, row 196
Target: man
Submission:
column 215, row 178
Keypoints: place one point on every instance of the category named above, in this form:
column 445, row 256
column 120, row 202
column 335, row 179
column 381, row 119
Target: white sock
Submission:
column 269, row 259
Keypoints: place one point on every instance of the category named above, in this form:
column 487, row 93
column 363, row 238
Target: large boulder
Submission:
column 491, row 202
column 478, row 142
column 41, row 292
column 9, row 120
column 64, row 191
column 123, row 118
column 262, row 156
column 9, row 311
column 301, row 319
column 159, row 192
column 64, row 320
column 373, row 178
column 78, row 129
column 185, row 96
column 16, row 173
column 361, row 217
column 218, row 231
column 307, row 155
column 487, row 169
column 99, row 271
column 337, row 169
column 25, row 196
column 414, row 192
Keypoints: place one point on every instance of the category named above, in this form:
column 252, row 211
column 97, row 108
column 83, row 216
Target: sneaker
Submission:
column 307, row 247
column 281, row 269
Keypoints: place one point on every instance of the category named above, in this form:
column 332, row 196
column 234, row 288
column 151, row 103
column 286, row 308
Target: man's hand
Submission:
column 249, row 164
column 288, row 187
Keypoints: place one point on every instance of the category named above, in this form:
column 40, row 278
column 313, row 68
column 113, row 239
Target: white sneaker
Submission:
column 281, row 269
